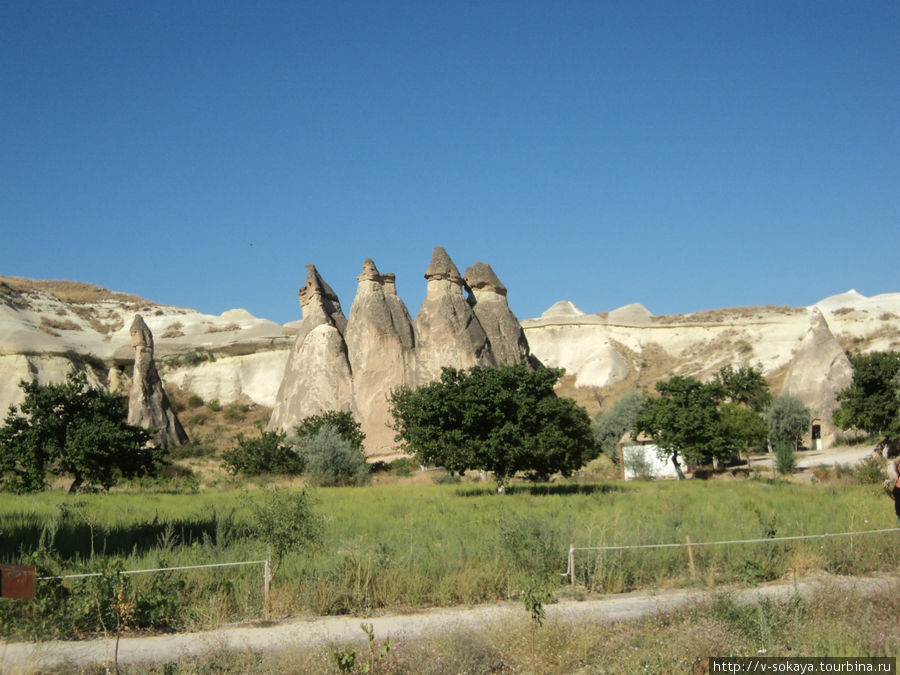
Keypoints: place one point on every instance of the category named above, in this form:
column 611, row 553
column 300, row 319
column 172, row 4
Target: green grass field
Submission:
column 431, row 545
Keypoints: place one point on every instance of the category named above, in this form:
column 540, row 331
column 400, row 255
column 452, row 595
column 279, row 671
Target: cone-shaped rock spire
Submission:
column 317, row 374
column 148, row 405
column 508, row 343
column 818, row 371
column 339, row 364
column 447, row 331
column 381, row 349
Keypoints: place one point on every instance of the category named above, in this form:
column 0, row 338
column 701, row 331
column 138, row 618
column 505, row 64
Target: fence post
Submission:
column 691, row 558
column 267, row 582
column 572, row 564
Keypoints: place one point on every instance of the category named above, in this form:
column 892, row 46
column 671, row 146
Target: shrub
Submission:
column 194, row 401
column 404, row 466
column 197, row 447
column 869, row 471
column 340, row 420
column 785, row 458
column 285, row 521
column 267, row 453
column 235, row 412
column 332, row 460
column 214, row 405
column 446, row 478
column 638, row 464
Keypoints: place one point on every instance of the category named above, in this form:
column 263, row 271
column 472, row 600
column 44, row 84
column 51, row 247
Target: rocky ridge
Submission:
column 46, row 327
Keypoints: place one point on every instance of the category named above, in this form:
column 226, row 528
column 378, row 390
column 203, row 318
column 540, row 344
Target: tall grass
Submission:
column 415, row 546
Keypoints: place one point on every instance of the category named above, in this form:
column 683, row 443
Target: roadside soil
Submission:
column 308, row 632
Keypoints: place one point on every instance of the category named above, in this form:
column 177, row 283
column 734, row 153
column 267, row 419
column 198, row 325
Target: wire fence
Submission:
column 267, row 575
column 570, row 571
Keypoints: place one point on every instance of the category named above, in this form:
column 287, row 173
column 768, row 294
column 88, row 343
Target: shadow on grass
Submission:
column 541, row 489
column 74, row 540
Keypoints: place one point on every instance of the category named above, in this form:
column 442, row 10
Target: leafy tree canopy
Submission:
column 71, row 429
column 708, row 421
column 610, row 428
column 502, row 420
column 341, row 421
column 872, row 401
column 787, row 419
column 684, row 420
column 744, row 385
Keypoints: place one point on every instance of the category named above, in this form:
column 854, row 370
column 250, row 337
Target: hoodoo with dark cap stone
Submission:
column 354, row 364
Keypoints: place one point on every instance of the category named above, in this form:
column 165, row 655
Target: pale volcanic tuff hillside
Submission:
column 46, row 327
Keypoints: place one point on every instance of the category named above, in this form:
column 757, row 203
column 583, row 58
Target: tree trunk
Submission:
column 501, row 484
column 73, row 488
column 677, row 467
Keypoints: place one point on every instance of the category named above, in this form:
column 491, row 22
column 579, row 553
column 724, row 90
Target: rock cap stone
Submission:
column 442, row 267
column 140, row 333
column 481, row 276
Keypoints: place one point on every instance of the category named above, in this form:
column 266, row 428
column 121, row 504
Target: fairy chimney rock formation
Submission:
column 508, row 343
column 354, row 364
column 319, row 304
column 381, row 349
column 317, row 374
column 447, row 331
column 148, row 405
column 818, row 371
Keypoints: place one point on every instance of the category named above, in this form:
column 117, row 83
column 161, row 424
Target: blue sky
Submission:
column 685, row 155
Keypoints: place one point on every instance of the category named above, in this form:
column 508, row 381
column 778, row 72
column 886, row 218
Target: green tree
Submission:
column 286, row 521
column 331, row 460
column 341, row 421
column 743, row 427
column 787, row 419
column 872, row 401
column 684, row 420
column 267, row 453
column 503, row 420
column 72, row 429
column 609, row 429
column 746, row 386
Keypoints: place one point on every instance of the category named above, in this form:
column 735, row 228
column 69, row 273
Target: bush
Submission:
column 196, row 447
column 194, row 401
column 785, row 458
column 340, row 420
column 267, row 453
column 235, row 412
column 332, row 460
column 869, row 471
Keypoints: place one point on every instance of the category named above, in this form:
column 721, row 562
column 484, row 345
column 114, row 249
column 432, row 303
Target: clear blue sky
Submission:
column 685, row 155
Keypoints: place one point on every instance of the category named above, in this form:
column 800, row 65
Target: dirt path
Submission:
column 32, row 657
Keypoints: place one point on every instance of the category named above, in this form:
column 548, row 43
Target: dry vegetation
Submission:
column 51, row 326
column 69, row 291
column 222, row 329
column 720, row 316
column 212, row 428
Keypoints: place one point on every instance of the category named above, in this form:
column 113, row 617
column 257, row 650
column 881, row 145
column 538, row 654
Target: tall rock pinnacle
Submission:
column 381, row 347
column 354, row 364
column 818, row 371
column 447, row 331
column 508, row 343
column 148, row 405
column 317, row 376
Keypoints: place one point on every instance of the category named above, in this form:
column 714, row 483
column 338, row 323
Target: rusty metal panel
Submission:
column 17, row 581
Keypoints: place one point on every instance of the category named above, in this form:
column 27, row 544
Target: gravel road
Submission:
column 32, row 657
